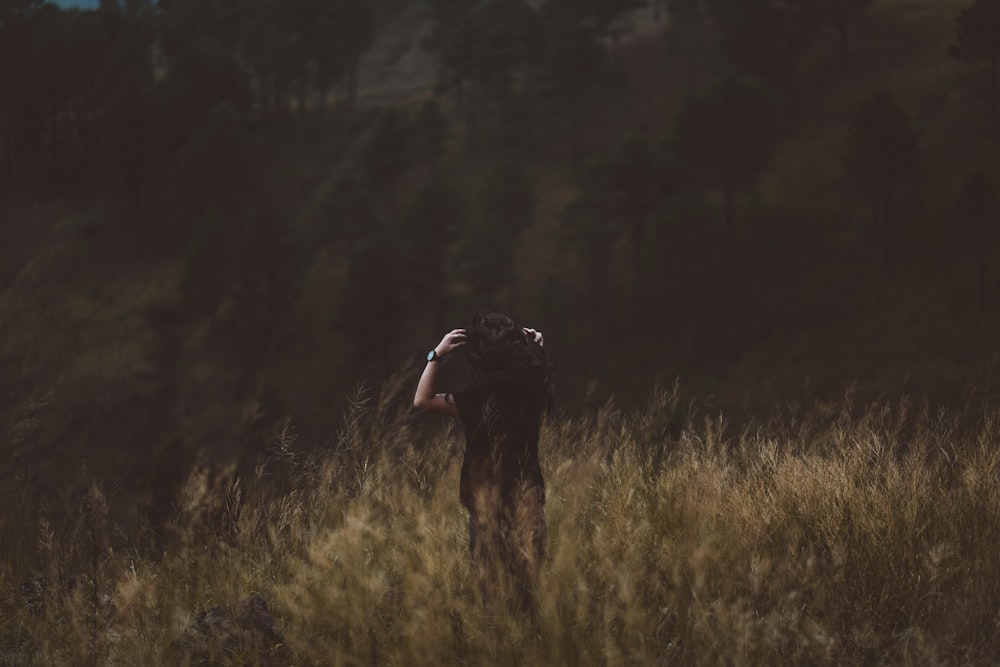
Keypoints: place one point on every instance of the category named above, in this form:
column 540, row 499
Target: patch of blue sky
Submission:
column 83, row 4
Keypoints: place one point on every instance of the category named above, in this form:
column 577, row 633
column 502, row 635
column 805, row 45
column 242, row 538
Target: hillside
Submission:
column 139, row 338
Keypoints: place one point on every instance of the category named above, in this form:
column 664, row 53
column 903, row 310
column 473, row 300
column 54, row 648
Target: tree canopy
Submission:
column 883, row 156
column 727, row 137
column 978, row 39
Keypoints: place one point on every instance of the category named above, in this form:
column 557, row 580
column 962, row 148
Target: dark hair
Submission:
column 505, row 364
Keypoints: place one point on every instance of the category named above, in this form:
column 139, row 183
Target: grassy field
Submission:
column 837, row 534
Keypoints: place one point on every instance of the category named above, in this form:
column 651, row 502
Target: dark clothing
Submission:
column 501, row 446
column 503, row 489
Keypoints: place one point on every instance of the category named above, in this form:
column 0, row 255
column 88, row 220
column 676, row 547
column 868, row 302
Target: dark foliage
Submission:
column 727, row 137
column 284, row 235
column 980, row 216
column 978, row 39
column 883, row 158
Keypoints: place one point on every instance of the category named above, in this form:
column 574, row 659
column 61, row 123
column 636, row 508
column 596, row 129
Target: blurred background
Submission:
column 219, row 214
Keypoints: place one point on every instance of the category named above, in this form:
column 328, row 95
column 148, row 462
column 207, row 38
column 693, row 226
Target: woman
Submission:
column 501, row 484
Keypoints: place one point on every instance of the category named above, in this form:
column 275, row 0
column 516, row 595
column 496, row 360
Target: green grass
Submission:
column 836, row 535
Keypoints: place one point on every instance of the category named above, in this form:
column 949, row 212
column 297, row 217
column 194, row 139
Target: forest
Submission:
column 226, row 220
column 208, row 227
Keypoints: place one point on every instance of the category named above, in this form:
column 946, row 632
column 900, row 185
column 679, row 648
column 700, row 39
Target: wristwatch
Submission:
column 434, row 356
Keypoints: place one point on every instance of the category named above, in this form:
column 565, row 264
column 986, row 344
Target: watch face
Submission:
column 431, row 356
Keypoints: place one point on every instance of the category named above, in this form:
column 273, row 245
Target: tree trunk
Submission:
column 283, row 100
column 260, row 97
column 983, row 264
column 528, row 111
column 597, row 292
column 729, row 199
column 5, row 165
column 577, row 124
column 301, row 86
column 842, row 41
column 615, row 55
column 693, row 73
column 268, row 96
column 501, row 132
column 638, row 240
column 885, row 222
column 138, row 174
column 792, row 89
column 54, row 139
column 352, row 80
column 86, row 122
column 471, row 122
column 995, row 113
column 322, row 83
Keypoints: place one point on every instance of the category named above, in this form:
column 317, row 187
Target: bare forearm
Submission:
column 425, row 397
column 425, row 387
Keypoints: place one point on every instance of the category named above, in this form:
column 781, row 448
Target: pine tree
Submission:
column 883, row 157
column 978, row 39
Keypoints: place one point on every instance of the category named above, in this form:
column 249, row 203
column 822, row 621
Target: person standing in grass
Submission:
column 501, row 483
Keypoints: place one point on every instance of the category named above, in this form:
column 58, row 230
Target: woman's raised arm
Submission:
column 425, row 398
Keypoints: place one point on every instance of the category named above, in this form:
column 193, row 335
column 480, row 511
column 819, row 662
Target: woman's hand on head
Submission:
column 535, row 335
column 452, row 340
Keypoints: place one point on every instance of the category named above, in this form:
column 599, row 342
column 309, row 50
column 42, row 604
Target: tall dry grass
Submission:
column 834, row 535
